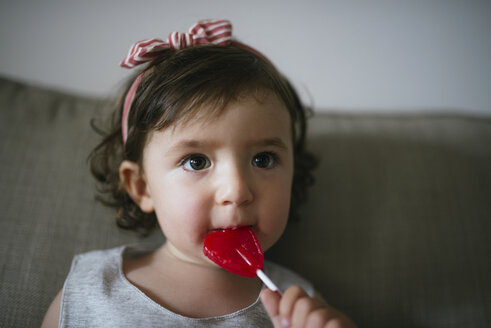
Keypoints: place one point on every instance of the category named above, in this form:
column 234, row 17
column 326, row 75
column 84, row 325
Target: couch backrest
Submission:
column 395, row 233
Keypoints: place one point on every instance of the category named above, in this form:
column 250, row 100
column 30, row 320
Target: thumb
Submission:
column 271, row 302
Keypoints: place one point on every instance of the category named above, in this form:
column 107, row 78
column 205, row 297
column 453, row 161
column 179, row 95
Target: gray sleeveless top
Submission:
column 96, row 293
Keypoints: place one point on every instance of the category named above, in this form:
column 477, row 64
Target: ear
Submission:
column 134, row 182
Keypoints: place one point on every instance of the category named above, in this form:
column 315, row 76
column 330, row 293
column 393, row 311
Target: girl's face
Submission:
column 209, row 174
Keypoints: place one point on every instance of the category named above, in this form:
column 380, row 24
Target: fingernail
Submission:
column 285, row 322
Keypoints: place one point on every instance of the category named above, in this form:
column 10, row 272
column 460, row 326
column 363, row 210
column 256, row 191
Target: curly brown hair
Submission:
column 175, row 87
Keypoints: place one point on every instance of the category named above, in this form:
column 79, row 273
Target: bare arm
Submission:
column 52, row 316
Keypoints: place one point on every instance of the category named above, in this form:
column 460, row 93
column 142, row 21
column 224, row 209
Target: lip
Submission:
column 230, row 228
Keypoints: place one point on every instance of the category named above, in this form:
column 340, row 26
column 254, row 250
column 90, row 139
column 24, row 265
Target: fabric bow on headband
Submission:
column 217, row 32
column 212, row 32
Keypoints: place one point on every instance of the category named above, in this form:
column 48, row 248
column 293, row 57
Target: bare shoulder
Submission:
column 52, row 316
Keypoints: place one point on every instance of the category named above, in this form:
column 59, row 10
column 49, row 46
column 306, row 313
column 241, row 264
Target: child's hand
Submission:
column 297, row 309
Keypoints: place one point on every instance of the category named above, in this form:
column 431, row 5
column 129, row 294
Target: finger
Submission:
column 302, row 310
column 328, row 317
column 320, row 318
column 339, row 320
column 271, row 302
column 290, row 297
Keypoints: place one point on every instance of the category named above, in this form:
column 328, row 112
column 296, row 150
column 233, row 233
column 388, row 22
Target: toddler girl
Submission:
column 209, row 136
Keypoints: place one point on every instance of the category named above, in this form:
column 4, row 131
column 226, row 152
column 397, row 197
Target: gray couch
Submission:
column 396, row 231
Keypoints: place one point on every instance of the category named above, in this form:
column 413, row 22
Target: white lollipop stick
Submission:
column 268, row 282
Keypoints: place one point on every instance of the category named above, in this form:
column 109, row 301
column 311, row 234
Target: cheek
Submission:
column 182, row 212
column 276, row 208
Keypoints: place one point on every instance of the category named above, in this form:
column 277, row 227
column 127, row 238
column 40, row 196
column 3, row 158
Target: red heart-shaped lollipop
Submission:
column 236, row 250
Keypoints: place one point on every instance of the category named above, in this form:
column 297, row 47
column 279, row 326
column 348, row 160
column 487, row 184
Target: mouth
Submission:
column 231, row 228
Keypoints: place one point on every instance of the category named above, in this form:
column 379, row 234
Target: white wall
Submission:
column 349, row 54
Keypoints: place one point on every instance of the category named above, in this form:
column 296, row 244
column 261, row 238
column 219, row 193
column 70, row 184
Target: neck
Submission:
column 172, row 263
column 192, row 281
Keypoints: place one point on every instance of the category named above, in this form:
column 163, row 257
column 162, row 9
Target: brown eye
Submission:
column 196, row 163
column 264, row 160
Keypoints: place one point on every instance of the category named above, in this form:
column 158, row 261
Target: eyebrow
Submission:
column 275, row 142
column 191, row 143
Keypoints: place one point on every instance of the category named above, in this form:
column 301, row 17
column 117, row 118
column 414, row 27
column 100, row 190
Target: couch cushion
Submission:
column 47, row 197
column 397, row 228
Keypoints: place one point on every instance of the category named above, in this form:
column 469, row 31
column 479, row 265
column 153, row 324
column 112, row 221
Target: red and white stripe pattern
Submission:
column 217, row 32
column 128, row 100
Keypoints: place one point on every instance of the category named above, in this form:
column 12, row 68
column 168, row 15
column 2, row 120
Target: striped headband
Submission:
column 215, row 32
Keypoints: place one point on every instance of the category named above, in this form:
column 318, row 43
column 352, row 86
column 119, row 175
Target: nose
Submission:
column 234, row 186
